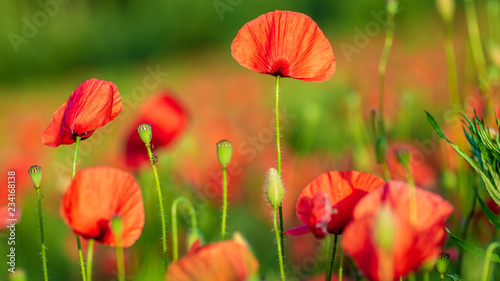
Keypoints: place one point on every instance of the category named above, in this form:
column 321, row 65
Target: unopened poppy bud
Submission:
column 35, row 172
column 385, row 228
column 403, row 156
column 274, row 189
column 442, row 264
column 380, row 149
column 392, row 7
column 224, row 152
column 116, row 224
column 194, row 235
column 145, row 133
column 446, row 9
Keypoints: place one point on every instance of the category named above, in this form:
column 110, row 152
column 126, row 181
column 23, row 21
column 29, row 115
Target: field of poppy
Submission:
column 254, row 141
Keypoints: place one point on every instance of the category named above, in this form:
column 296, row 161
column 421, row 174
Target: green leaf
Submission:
column 490, row 187
column 492, row 217
column 455, row 277
column 472, row 249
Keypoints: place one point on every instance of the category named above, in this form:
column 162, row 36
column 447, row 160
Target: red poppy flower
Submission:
column 413, row 243
column 98, row 194
column 167, row 118
column 286, row 44
column 230, row 260
column 92, row 105
column 326, row 204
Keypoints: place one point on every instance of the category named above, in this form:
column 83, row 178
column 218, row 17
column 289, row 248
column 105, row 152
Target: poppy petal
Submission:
column 98, row 194
column 344, row 190
column 284, row 43
column 298, row 230
column 92, row 105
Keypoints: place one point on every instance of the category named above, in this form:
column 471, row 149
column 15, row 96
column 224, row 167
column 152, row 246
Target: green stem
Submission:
column 78, row 243
column 389, row 35
column 465, row 229
column 334, row 250
column 120, row 262
column 413, row 200
column 385, row 169
column 426, row 275
column 476, row 46
column 411, row 276
column 278, row 243
column 90, row 251
column 452, row 68
column 341, row 263
column 278, row 149
column 42, row 235
column 160, row 203
column 224, row 206
column 175, row 243
column 487, row 262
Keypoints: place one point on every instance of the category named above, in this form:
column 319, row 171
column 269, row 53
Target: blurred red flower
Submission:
column 327, row 203
column 167, row 118
column 92, row 105
column 411, row 244
column 229, row 260
column 286, row 44
column 98, row 194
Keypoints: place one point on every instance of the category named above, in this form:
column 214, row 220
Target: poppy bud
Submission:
column 442, row 263
column 145, row 133
column 274, row 189
column 116, row 225
column 35, row 172
column 392, row 7
column 224, row 152
column 385, row 228
column 446, row 9
column 194, row 235
column 380, row 149
column 403, row 156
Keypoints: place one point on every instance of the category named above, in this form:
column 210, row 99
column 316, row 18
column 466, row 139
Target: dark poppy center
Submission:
column 281, row 68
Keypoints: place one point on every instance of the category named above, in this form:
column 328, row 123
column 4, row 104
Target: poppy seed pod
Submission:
column 116, row 225
column 224, row 152
column 274, row 189
column 385, row 228
column 145, row 133
column 446, row 9
column 380, row 149
column 403, row 156
column 35, row 172
column 442, row 263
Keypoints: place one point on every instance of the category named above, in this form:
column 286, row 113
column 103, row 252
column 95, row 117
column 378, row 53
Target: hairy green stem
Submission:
column 341, row 266
column 224, row 204
column 42, row 234
column 389, row 35
column 334, row 251
column 175, row 243
column 160, row 203
column 477, row 47
column 278, row 243
column 278, row 149
column 90, row 252
column 78, row 243
column 452, row 68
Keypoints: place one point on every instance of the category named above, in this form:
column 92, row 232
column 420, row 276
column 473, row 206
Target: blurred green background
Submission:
column 48, row 48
